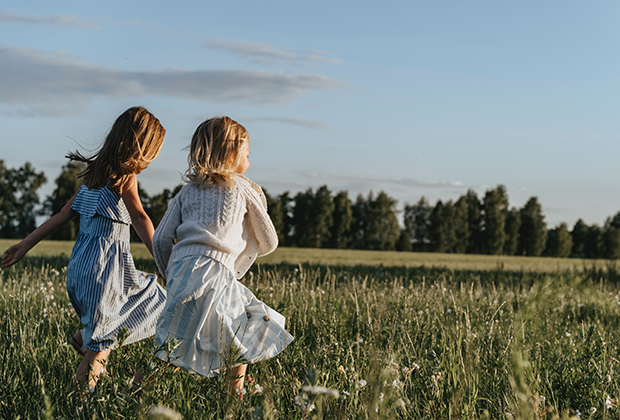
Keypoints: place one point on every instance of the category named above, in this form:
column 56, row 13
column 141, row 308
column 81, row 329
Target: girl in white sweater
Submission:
column 213, row 230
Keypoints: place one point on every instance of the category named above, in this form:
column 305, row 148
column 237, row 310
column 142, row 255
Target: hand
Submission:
column 13, row 255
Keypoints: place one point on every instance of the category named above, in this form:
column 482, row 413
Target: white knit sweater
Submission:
column 228, row 224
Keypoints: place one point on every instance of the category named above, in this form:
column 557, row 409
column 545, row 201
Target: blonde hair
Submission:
column 134, row 141
column 215, row 152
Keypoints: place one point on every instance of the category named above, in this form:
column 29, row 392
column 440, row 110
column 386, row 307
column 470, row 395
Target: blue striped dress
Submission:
column 104, row 287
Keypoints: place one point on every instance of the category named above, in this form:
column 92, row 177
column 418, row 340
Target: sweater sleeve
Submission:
column 262, row 235
column 165, row 234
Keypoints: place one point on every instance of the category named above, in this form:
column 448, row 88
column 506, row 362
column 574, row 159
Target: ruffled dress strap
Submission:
column 102, row 202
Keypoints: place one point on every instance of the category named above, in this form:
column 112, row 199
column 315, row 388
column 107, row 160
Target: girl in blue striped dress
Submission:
column 212, row 232
column 104, row 287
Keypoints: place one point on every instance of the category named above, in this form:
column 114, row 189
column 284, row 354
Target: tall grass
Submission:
column 395, row 342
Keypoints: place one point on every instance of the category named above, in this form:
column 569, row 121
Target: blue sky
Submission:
column 410, row 97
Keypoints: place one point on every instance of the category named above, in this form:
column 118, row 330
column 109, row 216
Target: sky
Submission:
column 414, row 98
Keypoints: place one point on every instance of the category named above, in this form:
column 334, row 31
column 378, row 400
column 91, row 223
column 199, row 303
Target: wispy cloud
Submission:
column 268, row 54
column 56, row 20
column 292, row 121
column 48, row 84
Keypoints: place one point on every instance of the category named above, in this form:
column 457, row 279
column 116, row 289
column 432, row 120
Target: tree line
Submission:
column 321, row 219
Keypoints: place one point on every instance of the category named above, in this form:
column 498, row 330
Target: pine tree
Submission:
column 495, row 205
column 511, row 227
column 342, row 219
column 559, row 242
column 533, row 230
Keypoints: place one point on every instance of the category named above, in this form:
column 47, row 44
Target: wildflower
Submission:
column 395, row 383
column 303, row 402
column 592, row 410
column 360, row 340
column 449, row 310
column 363, row 383
column 163, row 413
column 320, row 390
column 341, row 369
column 567, row 334
column 543, row 399
column 578, row 414
column 271, row 288
column 609, row 403
column 346, row 393
column 56, row 273
column 241, row 391
column 258, row 389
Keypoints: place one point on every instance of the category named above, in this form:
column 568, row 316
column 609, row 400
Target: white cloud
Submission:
column 51, row 84
column 268, row 54
column 292, row 121
column 56, row 20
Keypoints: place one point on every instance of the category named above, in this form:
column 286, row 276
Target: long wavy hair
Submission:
column 215, row 152
column 134, row 141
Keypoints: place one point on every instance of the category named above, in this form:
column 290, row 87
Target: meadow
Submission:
column 404, row 341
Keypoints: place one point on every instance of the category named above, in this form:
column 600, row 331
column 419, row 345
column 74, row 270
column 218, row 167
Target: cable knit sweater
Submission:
column 228, row 224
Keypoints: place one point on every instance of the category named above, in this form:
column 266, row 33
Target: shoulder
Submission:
column 246, row 183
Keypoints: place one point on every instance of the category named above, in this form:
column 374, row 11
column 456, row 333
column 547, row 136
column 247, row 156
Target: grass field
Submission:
column 394, row 341
column 340, row 257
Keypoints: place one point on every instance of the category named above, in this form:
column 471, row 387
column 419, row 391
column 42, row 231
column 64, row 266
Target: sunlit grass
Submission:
column 344, row 257
column 394, row 342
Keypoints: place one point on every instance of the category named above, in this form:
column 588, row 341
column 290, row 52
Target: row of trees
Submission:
column 320, row 219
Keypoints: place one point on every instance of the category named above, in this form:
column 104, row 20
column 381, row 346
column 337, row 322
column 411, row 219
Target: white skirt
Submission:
column 210, row 312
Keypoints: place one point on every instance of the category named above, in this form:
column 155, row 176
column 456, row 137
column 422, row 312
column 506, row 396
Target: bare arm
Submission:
column 140, row 221
column 17, row 251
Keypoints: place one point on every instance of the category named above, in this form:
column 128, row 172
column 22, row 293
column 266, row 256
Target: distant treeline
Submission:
column 321, row 219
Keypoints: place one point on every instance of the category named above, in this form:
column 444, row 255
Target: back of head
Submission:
column 134, row 141
column 215, row 152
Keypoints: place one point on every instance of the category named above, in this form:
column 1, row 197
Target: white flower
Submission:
column 241, row 391
column 449, row 310
column 363, row 382
column 258, row 389
column 567, row 334
column 395, row 383
column 592, row 410
column 163, row 413
column 346, row 393
column 578, row 414
column 320, row 390
column 609, row 403
column 543, row 399
column 360, row 340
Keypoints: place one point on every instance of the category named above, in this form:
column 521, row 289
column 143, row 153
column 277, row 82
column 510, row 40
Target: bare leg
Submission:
column 236, row 376
column 90, row 369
